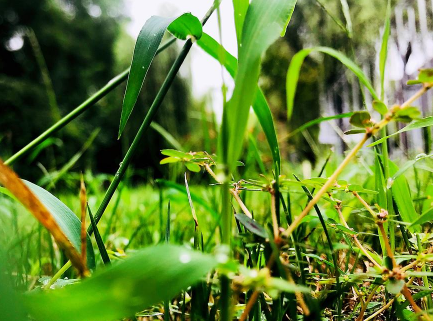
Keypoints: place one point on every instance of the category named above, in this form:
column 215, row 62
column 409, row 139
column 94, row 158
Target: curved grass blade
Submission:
column 424, row 218
column 146, row 278
column 260, row 105
column 295, row 68
column 318, row 121
column 167, row 136
column 145, row 49
column 421, row 123
column 59, row 220
column 264, row 22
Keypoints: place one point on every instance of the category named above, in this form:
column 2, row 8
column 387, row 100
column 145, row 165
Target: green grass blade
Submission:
column 68, row 222
column 167, row 136
column 240, row 10
column 421, row 123
column 53, row 178
column 318, row 121
column 98, row 238
column 384, row 50
column 401, row 194
column 264, row 22
column 146, row 278
column 260, row 105
column 295, row 68
column 346, row 14
column 145, row 49
column 424, row 218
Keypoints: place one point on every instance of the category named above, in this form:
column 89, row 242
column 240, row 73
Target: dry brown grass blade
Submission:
column 10, row 180
column 83, row 203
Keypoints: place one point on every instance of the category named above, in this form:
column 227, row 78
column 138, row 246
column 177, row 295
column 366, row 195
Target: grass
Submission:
column 228, row 240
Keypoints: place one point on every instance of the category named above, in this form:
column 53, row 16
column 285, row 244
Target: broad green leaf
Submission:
column 145, row 49
column 240, row 8
column 424, row 218
column 394, row 286
column 260, row 105
column 361, row 119
column 251, row 225
column 264, row 22
column 295, row 68
column 401, row 194
column 64, row 226
column 380, row 107
column 421, row 123
column 146, row 278
column 383, row 55
column 69, row 223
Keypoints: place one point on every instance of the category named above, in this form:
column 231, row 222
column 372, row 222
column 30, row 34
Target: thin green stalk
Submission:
column 146, row 122
column 92, row 100
column 58, row 275
column 143, row 128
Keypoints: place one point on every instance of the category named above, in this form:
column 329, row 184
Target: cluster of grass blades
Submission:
column 318, row 248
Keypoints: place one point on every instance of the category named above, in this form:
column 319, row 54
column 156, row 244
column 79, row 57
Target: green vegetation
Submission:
column 229, row 235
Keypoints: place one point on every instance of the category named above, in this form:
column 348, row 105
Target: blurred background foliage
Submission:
column 73, row 47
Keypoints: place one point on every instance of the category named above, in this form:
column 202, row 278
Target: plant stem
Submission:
column 233, row 191
column 92, row 100
column 369, row 132
column 364, row 307
column 357, row 242
column 326, row 186
column 387, row 245
column 143, row 128
column 58, row 275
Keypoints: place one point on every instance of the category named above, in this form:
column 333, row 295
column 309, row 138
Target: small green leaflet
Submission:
column 421, row 123
column 425, row 76
column 145, row 49
column 361, row 119
column 295, row 68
